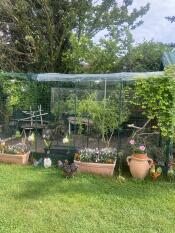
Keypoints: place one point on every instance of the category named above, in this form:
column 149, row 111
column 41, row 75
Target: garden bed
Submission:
column 15, row 158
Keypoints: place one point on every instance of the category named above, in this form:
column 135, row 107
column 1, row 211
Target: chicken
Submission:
column 68, row 169
column 155, row 173
column 170, row 172
column 47, row 162
column 121, row 179
column 37, row 162
column 2, row 146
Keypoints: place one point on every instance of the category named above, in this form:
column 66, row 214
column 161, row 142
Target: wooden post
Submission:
column 40, row 112
column 31, row 113
column 69, row 128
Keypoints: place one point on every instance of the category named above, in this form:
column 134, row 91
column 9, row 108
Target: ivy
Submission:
column 156, row 98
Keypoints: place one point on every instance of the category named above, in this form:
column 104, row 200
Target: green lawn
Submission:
column 41, row 200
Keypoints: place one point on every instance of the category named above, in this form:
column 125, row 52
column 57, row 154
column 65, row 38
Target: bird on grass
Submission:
column 155, row 173
column 37, row 162
column 121, row 179
column 170, row 172
column 68, row 169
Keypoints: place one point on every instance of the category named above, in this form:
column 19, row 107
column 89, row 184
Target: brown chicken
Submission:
column 68, row 169
column 155, row 173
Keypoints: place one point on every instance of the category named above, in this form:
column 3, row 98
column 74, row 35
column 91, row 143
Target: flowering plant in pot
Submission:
column 108, row 155
column 96, row 161
column 139, row 149
column 104, row 155
column 16, row 153
column 19, row 148
column 139, row 163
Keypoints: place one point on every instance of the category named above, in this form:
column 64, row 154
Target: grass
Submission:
column 34, row 200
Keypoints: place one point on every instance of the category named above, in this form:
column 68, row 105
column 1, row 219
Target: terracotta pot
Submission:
column 15, row 158
column 139, row 165
column 96, row 168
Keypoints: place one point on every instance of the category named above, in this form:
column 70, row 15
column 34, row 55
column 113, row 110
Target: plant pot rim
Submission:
column 17, row 154
column 95, row 168
column 78, row 161
column 141, row 157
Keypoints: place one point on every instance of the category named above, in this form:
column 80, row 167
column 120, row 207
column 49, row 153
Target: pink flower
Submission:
column 142, row 148
column 132, row 142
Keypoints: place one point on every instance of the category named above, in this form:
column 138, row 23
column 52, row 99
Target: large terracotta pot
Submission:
column 96, row 168
column 15, row 158
column 139, row 165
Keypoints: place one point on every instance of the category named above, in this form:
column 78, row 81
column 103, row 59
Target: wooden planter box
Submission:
column 104, row 169
column 15, row 158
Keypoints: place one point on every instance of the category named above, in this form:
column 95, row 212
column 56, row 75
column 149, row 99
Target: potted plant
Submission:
column 17, row 153
column 139, row 163
column 96, row 161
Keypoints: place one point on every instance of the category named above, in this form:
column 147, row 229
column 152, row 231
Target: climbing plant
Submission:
column 156, row 99
column 18, row 95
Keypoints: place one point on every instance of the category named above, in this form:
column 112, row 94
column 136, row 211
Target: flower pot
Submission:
column 139, row 165
column 15, row 158
column 96, row 168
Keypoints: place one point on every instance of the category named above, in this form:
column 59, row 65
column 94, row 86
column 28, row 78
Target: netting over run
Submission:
column 93, row 110
column 125, row 76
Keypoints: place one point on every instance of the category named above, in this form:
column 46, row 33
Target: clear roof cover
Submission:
column 58, row 77
column 125, row 76
column 168, row 58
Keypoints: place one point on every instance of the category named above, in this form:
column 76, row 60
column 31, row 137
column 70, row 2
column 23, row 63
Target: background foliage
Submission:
column 36, row 33
column 156, row 98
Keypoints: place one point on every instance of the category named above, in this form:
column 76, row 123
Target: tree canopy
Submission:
column 171, row 18
column 36, row 33
column 144, row 57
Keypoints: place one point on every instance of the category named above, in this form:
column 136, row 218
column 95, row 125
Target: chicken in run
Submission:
column 155, row 172
column 68, row 169
column 2, row 146
column 170, row 172
column 120, row 179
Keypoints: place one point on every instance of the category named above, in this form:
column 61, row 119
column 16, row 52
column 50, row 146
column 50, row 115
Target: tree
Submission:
column 143, row 57
column 87, row 57
column 112, row 16
column 77, row 54
column 104, row 112
column 35, row 33
column 171, row 18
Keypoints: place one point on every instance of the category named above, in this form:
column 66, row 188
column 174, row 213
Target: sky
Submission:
column 155, row 26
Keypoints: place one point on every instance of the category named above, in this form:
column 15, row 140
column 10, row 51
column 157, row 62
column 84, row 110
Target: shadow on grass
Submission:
column 51, row 182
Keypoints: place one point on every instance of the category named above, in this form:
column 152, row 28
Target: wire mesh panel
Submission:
column 94, row 111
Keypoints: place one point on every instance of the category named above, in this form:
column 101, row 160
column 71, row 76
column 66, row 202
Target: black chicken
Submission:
column 68, row 169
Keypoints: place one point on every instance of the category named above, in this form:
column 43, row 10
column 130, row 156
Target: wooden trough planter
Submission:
column 21, row 159
column 104, row 169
